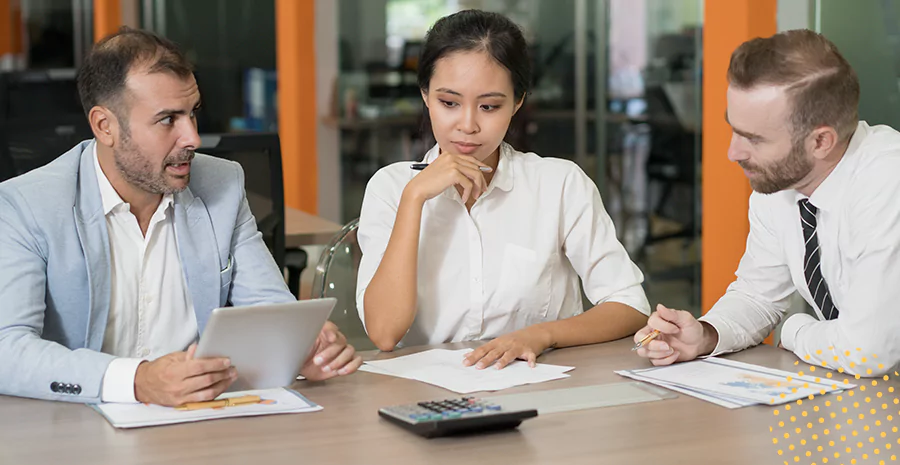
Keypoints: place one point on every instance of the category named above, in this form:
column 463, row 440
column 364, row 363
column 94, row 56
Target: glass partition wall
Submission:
column 867, row 32
column 616, row 89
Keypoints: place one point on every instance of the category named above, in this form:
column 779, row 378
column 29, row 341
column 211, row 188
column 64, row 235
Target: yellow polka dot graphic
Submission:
column 862, row 413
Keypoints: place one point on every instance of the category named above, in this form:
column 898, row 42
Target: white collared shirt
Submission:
column 858, row 229
column 150, row 313
column 513, row 261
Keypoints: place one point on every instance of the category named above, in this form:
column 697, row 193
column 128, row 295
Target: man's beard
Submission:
column 782, row 174
column 139, row 171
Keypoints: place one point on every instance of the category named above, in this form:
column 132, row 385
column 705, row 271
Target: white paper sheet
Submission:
column 275, row 401
column 735, row 384
column 730, row 403
column 444, row 368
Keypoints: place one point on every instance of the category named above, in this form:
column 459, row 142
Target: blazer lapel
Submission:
column 199, row 257
column 90, row 223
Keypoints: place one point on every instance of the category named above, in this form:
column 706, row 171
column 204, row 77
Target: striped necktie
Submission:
column 812, row 268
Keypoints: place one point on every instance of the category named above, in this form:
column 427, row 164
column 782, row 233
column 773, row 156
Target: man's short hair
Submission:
column 101, row 79
column 822, row 87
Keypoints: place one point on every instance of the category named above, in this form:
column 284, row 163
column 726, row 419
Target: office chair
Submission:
column 40, row 119
column 259, row 154
column 336, row 277
column 7, row 165
column 26, row 144
column 295, row 261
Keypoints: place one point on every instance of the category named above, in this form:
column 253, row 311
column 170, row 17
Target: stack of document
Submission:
column 274, row 401
column 735, row 384
column 444, row 368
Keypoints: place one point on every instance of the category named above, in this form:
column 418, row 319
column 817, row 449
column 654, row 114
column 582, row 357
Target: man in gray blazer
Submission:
column 111, row 263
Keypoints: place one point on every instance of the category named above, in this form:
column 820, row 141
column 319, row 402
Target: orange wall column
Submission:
column 296, row 57
column 16, row 27
column 727, row 24
column 10, row 29
column 107, row 18
column 6, row 28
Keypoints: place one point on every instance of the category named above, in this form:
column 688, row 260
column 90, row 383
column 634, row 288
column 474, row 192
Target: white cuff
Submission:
column 791, row 327
column 725, row 342
column 118, row 381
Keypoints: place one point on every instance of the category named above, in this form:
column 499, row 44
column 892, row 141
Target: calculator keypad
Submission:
column 465, row 407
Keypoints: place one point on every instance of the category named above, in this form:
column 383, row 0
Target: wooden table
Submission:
column 674, row 431
column 301, row 228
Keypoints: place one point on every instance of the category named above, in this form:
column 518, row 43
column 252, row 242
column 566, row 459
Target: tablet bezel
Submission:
column 268, row 344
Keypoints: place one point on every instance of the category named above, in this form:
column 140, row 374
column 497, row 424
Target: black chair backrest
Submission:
column 259, row 154
column 40, row 119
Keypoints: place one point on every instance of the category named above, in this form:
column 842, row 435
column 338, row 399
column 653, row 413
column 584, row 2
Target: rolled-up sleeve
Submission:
column 376, row 222
column 590, row 244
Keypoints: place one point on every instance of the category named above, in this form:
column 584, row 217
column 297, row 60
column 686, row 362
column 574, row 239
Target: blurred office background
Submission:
column 617, row 89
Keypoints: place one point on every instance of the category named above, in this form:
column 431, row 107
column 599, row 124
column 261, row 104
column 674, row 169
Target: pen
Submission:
column 646, row 339
column 422, row 166
column 230, row 402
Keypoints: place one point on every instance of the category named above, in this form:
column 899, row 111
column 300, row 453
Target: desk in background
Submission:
column 677, row 431
column 301, row 228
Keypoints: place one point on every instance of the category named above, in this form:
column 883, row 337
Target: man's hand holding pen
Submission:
column 681, row 337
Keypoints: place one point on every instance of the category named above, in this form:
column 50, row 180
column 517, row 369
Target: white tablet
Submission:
column 268, row 344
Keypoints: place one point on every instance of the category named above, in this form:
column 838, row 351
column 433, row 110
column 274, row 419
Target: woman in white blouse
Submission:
column 487, row 242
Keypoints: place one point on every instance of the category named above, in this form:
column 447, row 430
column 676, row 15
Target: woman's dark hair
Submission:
column 476, row 31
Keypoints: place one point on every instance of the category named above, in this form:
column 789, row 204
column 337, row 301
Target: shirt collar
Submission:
column 503, row 178
column 829, row 193
column 108, row 195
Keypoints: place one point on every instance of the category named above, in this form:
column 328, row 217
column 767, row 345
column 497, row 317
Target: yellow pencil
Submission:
column 646, row 339
column 230, row 402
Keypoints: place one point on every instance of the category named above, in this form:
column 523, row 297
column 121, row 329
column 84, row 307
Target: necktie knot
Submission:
column 808, row 213
column 805, row 203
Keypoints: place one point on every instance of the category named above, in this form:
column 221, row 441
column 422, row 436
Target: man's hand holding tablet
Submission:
column 331, row 356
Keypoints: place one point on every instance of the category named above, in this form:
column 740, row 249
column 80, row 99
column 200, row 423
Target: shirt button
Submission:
column 145, row 353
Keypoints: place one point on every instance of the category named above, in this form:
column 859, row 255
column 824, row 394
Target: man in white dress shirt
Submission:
column 110, row 264
column 824, row 217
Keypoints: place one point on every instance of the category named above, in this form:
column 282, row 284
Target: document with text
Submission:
column 445, row 368
column 735, row 384
column 272, row 401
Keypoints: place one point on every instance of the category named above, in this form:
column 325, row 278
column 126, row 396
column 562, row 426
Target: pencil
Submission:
column 646, row 339
column 229, row 402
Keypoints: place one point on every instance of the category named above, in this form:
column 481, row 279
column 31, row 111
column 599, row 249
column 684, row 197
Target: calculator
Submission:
column 454, row 416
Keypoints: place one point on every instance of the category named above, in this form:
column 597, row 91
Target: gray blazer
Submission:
column 55, row 268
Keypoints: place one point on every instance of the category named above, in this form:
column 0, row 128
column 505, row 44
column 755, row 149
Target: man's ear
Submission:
column 104, row 125
column 822, row 141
